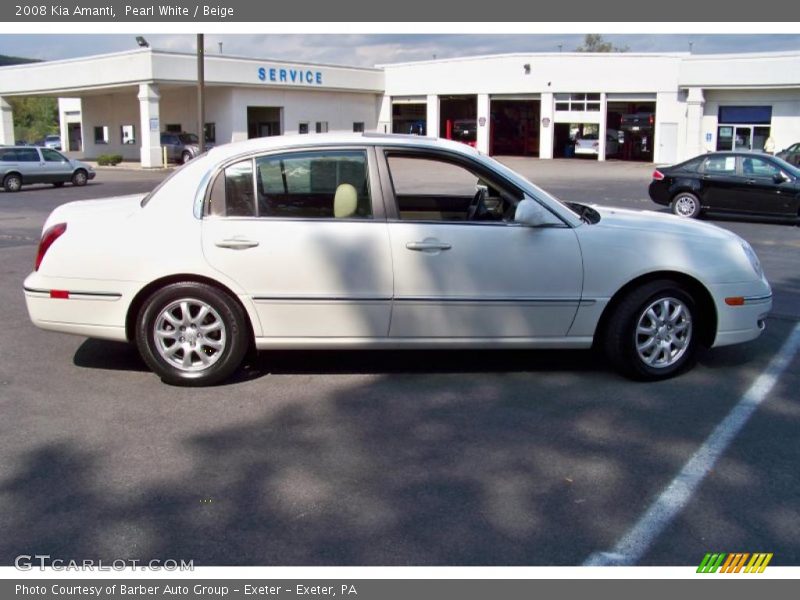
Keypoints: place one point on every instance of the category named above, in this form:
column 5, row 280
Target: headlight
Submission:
column 751, row 256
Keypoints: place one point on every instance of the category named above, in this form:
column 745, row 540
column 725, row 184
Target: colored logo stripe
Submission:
column 734, row 562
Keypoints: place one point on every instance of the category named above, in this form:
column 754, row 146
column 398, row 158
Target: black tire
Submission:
column 58, row 184
column 12, row 182
column 685, row 204
column 80, row 177
column 186, row 157
column 223, row 308
column 620, row 338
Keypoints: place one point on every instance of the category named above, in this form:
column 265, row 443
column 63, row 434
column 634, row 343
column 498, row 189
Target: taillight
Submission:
column 48, row 237
column 658, row 175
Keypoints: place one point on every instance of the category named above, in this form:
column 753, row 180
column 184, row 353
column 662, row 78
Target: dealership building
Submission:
column 654, row 107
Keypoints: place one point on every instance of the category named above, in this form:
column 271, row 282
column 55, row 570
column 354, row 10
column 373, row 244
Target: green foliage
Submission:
column 594, row 42
column 109, row 160
column 34, row 117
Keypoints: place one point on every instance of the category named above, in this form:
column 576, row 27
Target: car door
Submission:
column 55, row 165
column 300, row 233
column 719, row 183
column 766, row 190
column 462, row 269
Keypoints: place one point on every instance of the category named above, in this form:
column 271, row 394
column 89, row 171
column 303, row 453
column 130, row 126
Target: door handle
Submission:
column 751, row 181
column 428, row 245
column 236, row 243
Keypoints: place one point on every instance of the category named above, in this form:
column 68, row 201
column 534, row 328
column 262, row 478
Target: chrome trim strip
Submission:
column 322, row 298
column 431, row 299
column 71, row 293
column 757, row 299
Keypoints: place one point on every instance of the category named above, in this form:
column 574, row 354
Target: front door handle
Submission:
column 428, row 246
column 236, row 243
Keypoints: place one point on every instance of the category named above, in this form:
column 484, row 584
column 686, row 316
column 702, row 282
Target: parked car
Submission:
column 589, row 143
column 273, row 243
column 181, row 147
column 52, row 141
column 737, row 183
column 24, row 165
column 791, row 154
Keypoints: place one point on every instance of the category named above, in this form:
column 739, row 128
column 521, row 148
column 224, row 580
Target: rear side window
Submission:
column 720, row 165
column 232, row 194
column 319, row 184
column 691, row 165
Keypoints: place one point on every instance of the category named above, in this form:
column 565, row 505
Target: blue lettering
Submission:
column 283, row 74
column 309, row 77
column 293, row 74
column 272, row 74
column 262, row 75
column 319, row 77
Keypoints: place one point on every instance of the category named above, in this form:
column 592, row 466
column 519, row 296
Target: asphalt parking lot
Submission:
column 389, row 458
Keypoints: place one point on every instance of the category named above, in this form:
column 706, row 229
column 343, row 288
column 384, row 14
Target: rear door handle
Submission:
column 751, row 181
column 236, row 243
column 428, row 245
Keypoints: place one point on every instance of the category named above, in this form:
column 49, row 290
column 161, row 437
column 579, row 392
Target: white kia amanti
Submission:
column 377, row 241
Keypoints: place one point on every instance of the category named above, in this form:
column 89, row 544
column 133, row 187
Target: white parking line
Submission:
column 635, row 544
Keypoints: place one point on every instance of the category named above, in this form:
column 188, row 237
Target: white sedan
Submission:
column 375, row 241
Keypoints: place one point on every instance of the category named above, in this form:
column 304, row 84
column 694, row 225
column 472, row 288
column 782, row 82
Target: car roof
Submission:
column 296, row 140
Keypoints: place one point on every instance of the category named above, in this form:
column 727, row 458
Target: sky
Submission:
column 369, row 50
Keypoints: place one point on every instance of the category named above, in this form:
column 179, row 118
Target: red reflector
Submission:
column 734, row 301
column 63, row 294
column 48, row 237
column 658, row 175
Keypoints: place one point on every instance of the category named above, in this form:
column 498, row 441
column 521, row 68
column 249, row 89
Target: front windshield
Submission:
column 188, row 138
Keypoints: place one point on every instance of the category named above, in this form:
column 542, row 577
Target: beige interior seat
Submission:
column 345, row 202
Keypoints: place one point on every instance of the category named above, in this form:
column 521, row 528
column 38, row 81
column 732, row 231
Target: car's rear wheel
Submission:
column 79, row 177
column 192, row 334
column 652, row 333
column 12, row 182
column 186, row 157
column 686, row 205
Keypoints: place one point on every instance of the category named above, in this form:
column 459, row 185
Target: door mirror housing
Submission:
column 780, row 177
column 531, row 214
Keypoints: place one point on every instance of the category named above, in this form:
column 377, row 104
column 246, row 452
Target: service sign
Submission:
column 290, row 75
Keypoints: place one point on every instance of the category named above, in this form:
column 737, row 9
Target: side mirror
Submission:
column 530, row 213
column 780, row 177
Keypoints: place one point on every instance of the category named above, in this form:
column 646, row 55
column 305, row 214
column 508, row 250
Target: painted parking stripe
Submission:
column 634, row 545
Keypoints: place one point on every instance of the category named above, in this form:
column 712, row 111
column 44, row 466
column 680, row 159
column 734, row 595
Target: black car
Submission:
column 791, row 154
column 736, row 183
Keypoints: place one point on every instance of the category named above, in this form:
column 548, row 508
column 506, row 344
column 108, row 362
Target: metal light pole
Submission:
column 201, row 93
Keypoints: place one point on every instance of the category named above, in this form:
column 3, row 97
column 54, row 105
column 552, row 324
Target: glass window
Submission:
column 358, row 127
column 319, row 184
column 232, row 194
column 52, row 156
column 174, row 128
column 721, row 165
column 101, row 134
column 322, row 127
column 433, row 189
column 302, row 127
column 758, row 167
column 211, row 132
column 127, row 134
column 21, row 155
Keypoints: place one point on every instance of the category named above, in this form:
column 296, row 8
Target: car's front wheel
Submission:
column 79, row 177
column 686, row 204
column 652, row 333
column 192, row 334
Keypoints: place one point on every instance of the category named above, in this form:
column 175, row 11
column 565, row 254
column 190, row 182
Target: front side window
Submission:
column 436, row 189
column 758, row 167
column 318, row 184
column 52, row 156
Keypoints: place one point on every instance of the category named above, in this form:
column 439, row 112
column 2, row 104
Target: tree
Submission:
column 34, row 117
column 594, row 42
